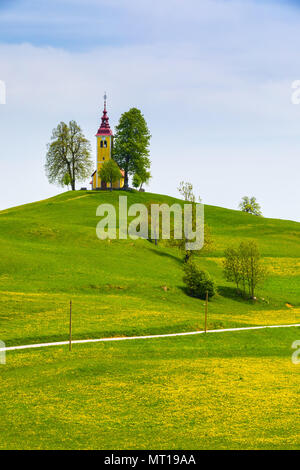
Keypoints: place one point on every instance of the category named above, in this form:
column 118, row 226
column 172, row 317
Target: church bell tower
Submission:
column 104, row 139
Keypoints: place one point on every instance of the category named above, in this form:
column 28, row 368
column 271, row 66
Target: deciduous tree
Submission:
column 250, row 205
column 186, row 190
column 140, row 178
column 110, row 172
column 69, row 152
column 131, row 144
column 242, row 265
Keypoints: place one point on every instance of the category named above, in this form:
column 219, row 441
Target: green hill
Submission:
column 217, row 391
column 50, row 254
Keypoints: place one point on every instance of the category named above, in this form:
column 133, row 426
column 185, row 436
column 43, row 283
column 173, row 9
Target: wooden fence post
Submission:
column 70, row 328
column 206, row 309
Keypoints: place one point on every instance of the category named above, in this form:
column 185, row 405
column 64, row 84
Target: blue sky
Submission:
column 84, row 24
column 212, row 77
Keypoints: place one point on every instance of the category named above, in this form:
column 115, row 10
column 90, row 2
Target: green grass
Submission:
column 219, row 391
column 50, row 254
column 230, row 390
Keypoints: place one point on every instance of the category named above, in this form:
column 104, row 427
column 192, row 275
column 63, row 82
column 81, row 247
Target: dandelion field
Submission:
column 225, row 391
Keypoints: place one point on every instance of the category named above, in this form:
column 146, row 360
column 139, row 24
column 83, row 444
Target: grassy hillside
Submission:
column 50, row 254
column 231, row 390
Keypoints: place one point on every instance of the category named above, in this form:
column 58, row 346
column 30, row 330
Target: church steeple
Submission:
column 104, row 128
column 104, row 139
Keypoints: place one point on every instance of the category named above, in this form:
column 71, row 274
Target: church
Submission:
column 104, row 138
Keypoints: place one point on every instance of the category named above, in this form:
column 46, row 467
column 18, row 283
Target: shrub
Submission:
column 198, row 282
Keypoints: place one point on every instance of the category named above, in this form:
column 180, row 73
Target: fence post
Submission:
column 206, row 309
column 70, row 328
column 2, row 353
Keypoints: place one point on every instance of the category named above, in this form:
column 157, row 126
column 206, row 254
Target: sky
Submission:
column 213, row 79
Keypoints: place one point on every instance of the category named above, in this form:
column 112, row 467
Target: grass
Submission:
column 50, row 254
column 233, row 390
column 222, row 391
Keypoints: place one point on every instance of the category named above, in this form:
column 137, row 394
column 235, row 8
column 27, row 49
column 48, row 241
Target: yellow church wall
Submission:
column 103, row 155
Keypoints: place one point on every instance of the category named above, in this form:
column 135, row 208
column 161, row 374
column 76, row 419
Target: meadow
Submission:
column 220, row 391
column 50, row 254
column 229, row 390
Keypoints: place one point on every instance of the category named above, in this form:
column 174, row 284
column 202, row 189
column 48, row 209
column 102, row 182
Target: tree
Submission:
column 186, row 190
column 232, row 266
column 252, row 270
column 131, row 144
column 155, row 222
column 68, row 153
column 140, row 178
column 66, row 180
column 110, row 172
column 181, row 242
column 243, row 266
column 250, row 205
column 198, row 282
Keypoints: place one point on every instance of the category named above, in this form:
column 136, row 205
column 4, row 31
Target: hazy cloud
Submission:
column 214, row 86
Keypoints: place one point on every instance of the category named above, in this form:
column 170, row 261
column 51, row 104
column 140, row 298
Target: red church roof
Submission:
column 104, row 128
